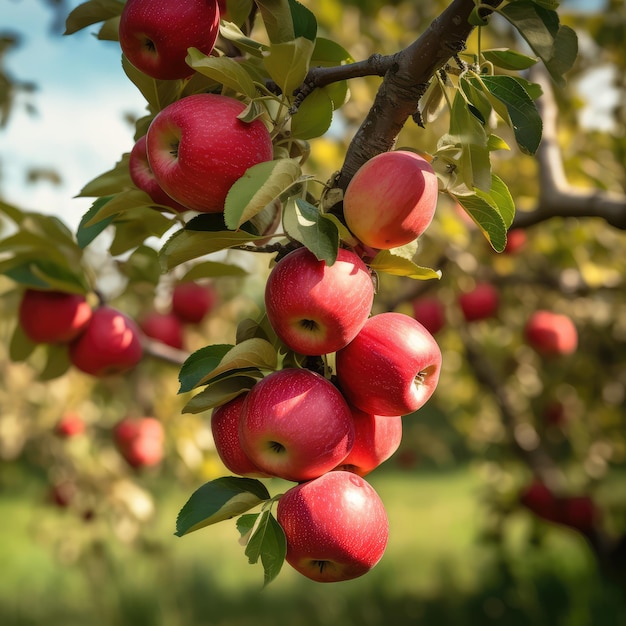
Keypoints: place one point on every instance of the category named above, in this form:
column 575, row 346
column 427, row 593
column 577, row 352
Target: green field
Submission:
column 55, row 570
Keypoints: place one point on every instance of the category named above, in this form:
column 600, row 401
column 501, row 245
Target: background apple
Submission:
column 164, row 327
column 140, row 440
column 316, row 308
column 70, row 424
column 430, row 312
column 198, row 148
column 516, row 240
column 111, row 344
column 551, row 334
column 336, row 527
column 53, row 316
column 155, row 36
column 479, row 303
column 295, row 424
column 192, row 301
column 391, row 367
column 391, row 200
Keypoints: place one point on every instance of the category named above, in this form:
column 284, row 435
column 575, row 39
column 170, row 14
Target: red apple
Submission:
column 198, row 148
column 579, row 513
column 53, row 316
column 391, row 200
column 540, row 500
column 63, row 493
column 225, row 429
column 316, row 308
column 551, row 334
column 391, row 367
column 430, row 313
column 516, row 240
column 164, row 327
column 142, row 176
column 296, row 425
column 336, row 527
column 111, row 344
column 69, row 425
column 140, row 440
column 192, row 302
column 155, row 35
column 376, row 438
column 479, row 303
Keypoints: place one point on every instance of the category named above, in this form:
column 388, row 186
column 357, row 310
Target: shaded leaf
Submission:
column 199, row 363
column 86, row 234
column 268, row 543
column 218, row 393
column 211, row 269
column 487, row 217
column 91, row 12
column 225, row 70
column 509, row 59
column 287, row 63
column 398, row 265
column 313, row 117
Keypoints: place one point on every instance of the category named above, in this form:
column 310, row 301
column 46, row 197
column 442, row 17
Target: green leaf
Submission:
column 251, row 329
column 304, row 21
column 500, row 197
column 12, row 212
column 397, row 265
column 158, row 93
column 57, row 362
column 259, row 186
column 486, row 216
column 246, row 523
column 268, row 543
column 20, row 346
column 91, row 12
column 288, row 63
column 211, row 269
column 135, row 225
column 219, row 392
column 276, row 16
column 217, row 500
column 56, row 277
column 142, row 266
column 508, row 59
column 225, row 70
column 86, row 234
column 313, row 117
column 119, row 203
column 199, row 363
column 111, row 182
column 304, row 223
column 231, row 32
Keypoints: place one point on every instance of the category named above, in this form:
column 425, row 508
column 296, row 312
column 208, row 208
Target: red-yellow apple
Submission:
column 141, row 174
column 391, row 367
column 551, row 334
column 376, row 438
column 53, row 316
column 111, row 344
column 336, row 527
column 70, row 424
column 225, row 429
column 192, row 301
column 155, row 35
column 316, row 308
column 295, row 424
column 164, row 327
column 198, row 148
column 391, row 200
column 140, row 440
column 479, row 303
column 430, row 313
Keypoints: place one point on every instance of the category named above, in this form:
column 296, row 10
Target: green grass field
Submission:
column 435, row 570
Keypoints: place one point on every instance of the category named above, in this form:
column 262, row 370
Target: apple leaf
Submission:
column 224, row 70
column 245, row 523
column 86, row 234
column 231, row 32
column 91, row 12
column 483, row 210
column 251, row 329
column 200, row 362
column 20, row 346
column 123, row 201
column 111, row 182
column 57, row 362
column 259, row 186
column 218, row 500
column 210, row 269
column 158, row 93
column 398, row 265
column 288, row 63
column 313, row 117
column 500, row 197
column 135, row 226
column 218, row 393
column 268, row 543
column 508, row 59
column 142, row 266
column 12, row 212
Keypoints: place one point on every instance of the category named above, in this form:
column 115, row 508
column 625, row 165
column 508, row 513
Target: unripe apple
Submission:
column 391, row 367
column 391, row 200
column 479, row 303
column 430, row 313
column 111, row 344
column 155, row 35
column 296, row 425
column 192, row 301
column 69, row 425
column 225, row 429
column 551, row 334
column 164, row 327
column 140, row 440
column 198, row 148
column 336, row 527
column 143, row 177
column 316, row 308
column 53, row 316
column 376, row 438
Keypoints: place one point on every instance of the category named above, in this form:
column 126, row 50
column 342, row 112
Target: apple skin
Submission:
column 295, row 425
column 198, row 148
column 164, row 327
column 225, row 429
column 111, row 344
column 143, row 177
column 551, row 334
column 70, row 425
column 430, row 313
column 391, row 367
column 155, row 36
column 391, row 200
column 315, row 308
column 480, row 303
column 140, row 440
column 192, row 302
column 53, row 316
column 336, row 527
column 376, row 438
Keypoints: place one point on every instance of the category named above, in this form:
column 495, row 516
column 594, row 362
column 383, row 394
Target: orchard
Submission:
column 346, row 245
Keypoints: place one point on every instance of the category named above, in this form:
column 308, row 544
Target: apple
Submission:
column 551, row 334
column 140, row 440
column 479, row 303
column 192, row 301
column 164, row 327
column 555, row 413
column 579, row 513
column 296, row 425
column 155, row 36
column 391, row 367
column 63, row 493
column 111, row 344
column 69, row 425
column 198, row 148
column 516, row 240
column 540, row 500
column 376, row 438
column 336, row 527
column 143, row 177
column 316, row 308
column 53, row 316
column 391, row 200
column 225, row 429
column 430, row 313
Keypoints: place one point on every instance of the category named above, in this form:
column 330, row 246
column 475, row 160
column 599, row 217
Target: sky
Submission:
column 83, row 95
